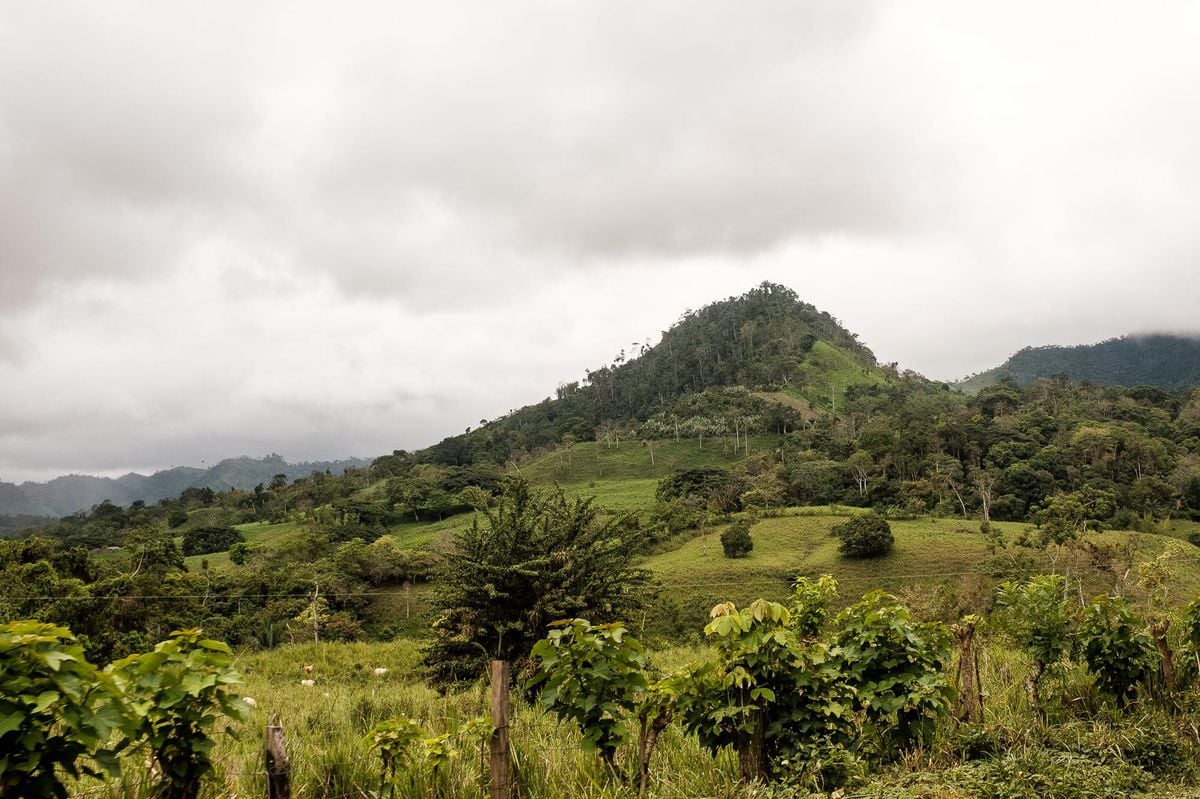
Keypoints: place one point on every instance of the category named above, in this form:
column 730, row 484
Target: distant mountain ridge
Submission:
column 1165, row 360
column 70, row 493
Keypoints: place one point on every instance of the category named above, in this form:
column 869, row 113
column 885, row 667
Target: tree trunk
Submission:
column 970, row 693
column 752, row 750
column 646, row 742
column 1031, row 685
column 1159, row 633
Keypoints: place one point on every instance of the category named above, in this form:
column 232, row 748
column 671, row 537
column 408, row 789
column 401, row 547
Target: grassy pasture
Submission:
column 254, row 533
column 943, row 563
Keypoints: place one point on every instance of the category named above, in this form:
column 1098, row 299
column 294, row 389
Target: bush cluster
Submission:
column 866, row 536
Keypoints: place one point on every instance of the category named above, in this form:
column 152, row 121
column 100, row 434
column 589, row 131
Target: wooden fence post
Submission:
column 279, row 769
column 500, row 768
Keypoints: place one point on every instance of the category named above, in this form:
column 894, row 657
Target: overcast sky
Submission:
column 232, row 228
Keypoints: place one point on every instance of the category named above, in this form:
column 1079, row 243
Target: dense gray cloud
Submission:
column 333, row 230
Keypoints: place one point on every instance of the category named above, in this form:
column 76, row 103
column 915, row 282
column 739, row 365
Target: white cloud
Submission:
column 328, row 231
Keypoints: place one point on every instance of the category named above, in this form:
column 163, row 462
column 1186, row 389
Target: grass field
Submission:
column 838, row 370
column 254, row 533
column 943, row 567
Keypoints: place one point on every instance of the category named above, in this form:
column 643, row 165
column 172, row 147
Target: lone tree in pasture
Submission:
column 736, row 540
column 866, row 536
column 533, row 559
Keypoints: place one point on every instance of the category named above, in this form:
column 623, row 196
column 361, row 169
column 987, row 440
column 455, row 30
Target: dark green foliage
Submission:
column 534, row 559
column 1116, row 647
column 769, row 692
column 179, row 692
column 57, row 711
column 711, row 484
column 239, row 553
column 206, row 540
column 596, row 676
column 736, row 541
column 1162, row 361
column 866, row 536
column 760, row 339
column 781, row 689
column 177, row 518
column 897, row 666
column 1035, row 616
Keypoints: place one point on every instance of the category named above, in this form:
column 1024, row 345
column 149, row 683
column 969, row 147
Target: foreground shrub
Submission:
column 57, row 711
column 534, row 559
column 1118, row 651
column 178, row 692
column 781, row 690
column 1035, row 616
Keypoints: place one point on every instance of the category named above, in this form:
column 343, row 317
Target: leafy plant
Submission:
column 770, row 693
column 897, row 667
column 206, row 540
column 394, row 740
column 412, row 760
column 535, row 558
column 1035, row 616
column 1117, row 650
column 599, row 677
column 178, row 692
column 594, row 675
column 57, row 711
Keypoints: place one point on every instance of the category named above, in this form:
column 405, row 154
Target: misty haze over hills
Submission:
column 74, row 492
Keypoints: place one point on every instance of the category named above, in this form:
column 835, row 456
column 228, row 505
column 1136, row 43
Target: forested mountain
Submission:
column 1163, row 360
column 766, row 340
column 74, row 492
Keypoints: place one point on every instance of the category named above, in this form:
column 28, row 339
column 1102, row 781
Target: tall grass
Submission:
column 1083, row 748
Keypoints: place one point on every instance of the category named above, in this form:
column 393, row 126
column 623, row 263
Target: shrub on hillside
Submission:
column 866, row 536
column 206, row 540
column 736, row 540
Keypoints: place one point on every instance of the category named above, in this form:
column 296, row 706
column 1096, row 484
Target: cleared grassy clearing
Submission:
column 927, row 552
column 828, row 371
column 255, row 533
column 411, row 535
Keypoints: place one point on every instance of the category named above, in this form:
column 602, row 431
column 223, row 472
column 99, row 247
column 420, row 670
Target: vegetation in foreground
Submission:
column 786, row 699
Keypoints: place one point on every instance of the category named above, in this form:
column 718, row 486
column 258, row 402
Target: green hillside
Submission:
column 1166, row 361
column 930, row 556
column 766, row 339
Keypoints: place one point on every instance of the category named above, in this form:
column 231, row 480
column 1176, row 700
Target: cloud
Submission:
column 321, row 231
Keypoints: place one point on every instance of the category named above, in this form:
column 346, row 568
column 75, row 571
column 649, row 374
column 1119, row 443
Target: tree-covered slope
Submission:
column 766, row 338
column 1166, row 361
